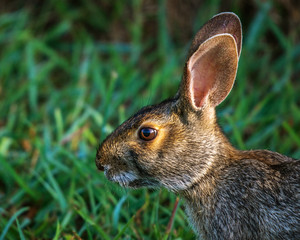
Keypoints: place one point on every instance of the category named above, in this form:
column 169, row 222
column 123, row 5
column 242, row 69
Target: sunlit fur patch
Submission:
column 177, row 184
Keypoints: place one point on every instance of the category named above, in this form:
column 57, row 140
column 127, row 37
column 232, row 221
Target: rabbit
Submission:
column 178, row 144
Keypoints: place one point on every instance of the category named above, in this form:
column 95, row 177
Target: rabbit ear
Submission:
column 210, row 72
column 226, row 22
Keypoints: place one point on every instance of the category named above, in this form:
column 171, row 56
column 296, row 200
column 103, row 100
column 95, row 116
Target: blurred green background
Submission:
column 71, row 71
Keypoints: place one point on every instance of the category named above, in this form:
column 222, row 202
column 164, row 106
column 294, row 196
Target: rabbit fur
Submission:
column 229, row 194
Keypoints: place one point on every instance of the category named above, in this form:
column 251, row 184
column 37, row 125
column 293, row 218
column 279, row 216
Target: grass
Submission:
column 63, row 90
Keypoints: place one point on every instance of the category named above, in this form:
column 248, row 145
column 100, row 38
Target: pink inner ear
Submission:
column 203, row 76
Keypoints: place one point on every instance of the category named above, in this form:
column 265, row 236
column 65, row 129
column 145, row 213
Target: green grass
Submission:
column 63, row 89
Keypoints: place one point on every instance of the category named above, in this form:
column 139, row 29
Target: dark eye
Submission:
column 147, row 134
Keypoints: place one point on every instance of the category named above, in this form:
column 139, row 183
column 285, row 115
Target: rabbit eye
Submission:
column 147, row 134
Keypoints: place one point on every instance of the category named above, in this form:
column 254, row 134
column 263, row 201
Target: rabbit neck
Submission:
column 205, row 148
column 214, row 149
column 200, row 196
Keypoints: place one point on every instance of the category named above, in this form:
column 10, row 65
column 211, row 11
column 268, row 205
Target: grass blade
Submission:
column 21, row 182
column 124, row 228
column 11, row 220
column 22, row 237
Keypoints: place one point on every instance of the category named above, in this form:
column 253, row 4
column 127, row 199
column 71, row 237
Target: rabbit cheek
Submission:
column 137, row 165
column 139, row 161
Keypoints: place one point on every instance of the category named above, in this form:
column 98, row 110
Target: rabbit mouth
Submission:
column 130, row 179
column 123, row 178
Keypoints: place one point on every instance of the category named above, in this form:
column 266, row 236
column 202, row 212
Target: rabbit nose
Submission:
column 98, row 164
column 102, row 156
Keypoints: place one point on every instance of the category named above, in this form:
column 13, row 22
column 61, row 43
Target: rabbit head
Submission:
column 174, row 143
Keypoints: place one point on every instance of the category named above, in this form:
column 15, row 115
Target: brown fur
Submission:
column 230, row 194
